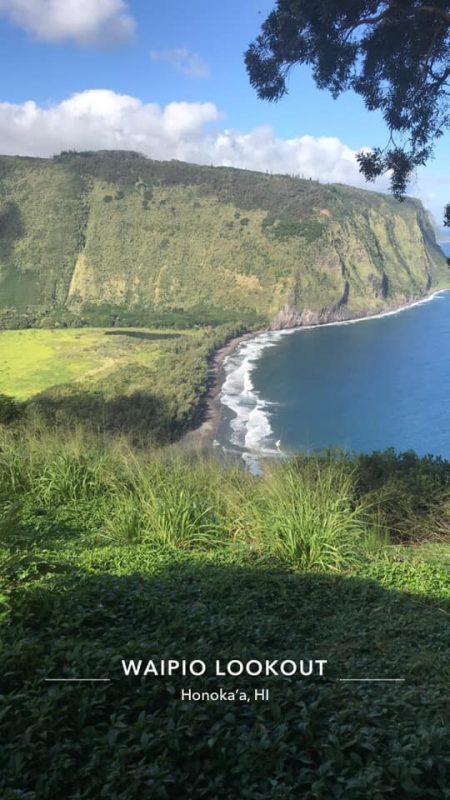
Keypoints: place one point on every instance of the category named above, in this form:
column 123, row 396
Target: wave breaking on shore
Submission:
column 251, row 431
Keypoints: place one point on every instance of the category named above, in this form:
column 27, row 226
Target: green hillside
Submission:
column 96, row 236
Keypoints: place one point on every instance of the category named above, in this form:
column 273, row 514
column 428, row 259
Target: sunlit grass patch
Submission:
column 34, row 360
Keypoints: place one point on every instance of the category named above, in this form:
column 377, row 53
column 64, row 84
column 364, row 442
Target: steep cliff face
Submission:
column 120, row 231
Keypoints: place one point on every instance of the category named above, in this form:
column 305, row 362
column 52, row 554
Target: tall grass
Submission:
column 55, row 467
column 310, row 511
column 308, row 515
column 171, row 502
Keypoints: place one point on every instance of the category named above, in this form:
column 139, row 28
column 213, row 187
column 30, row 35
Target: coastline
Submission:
column 201, row 436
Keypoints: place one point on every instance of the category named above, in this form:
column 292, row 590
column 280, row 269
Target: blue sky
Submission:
column 174, row 85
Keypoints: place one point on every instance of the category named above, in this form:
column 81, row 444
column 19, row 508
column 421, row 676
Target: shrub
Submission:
column 9, row 409
column 411, row 492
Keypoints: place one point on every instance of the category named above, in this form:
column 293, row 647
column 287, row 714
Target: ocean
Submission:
column 359, row 386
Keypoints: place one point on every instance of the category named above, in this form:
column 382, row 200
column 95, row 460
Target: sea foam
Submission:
column 250, row 429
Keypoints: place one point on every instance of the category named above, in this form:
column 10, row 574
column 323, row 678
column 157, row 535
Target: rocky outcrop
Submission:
column 291, row 317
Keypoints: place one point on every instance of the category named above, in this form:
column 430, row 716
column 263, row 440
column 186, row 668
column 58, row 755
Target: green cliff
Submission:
column 98, row 235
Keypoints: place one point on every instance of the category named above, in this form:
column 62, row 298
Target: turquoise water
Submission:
column 361, row 386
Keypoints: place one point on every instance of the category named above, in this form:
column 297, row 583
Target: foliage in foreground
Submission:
column 79, row 615
column 308, row 514
column 112, row 554
column 321, row 512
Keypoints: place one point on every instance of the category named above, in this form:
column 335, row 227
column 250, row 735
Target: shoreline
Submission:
column 201, row 436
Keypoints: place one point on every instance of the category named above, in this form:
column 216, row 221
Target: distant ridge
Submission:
column 100, row 236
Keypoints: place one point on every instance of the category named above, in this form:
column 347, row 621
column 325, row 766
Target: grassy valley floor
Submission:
column 34, row 360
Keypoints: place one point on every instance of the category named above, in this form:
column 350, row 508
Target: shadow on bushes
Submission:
column 141, row 416
column 143, row 335
column 134, row 737
column 10, row 409
column 411, row 492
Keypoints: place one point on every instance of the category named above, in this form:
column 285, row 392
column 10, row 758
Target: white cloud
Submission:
column 87, row 22
column 102, row 119
column 433, row 188
column 181, row 59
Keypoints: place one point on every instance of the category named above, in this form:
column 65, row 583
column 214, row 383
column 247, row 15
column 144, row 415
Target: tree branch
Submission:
column 434, row 10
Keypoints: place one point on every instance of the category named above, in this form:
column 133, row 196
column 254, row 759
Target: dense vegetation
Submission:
column 108, row 238
column 108, row 555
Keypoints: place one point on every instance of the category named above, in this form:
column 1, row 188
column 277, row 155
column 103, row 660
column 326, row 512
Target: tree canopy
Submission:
column 395, row 54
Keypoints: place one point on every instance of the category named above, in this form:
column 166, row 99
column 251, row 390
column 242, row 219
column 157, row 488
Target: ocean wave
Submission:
column 250, row 429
